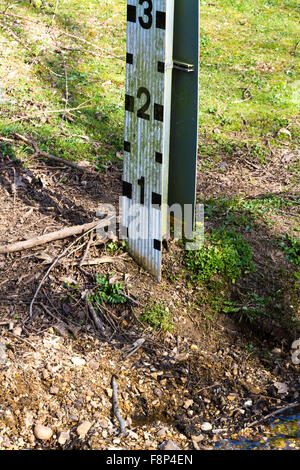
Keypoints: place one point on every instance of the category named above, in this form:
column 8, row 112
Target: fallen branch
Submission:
column 116, row 406
column 49, row 156
column 53, row 236
column 95, row 318
column 87, row 249
column 54, row 111
column 96, row 261
column 274, row 413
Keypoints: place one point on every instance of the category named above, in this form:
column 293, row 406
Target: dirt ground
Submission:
column 196, row 385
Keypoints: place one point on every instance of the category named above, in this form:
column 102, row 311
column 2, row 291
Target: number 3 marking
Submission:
column 148, row 13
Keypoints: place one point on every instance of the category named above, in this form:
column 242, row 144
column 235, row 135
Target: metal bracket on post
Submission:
column 161, row 103
column 183, row 66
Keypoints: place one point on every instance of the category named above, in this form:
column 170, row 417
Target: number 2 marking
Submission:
column 142, row 111
column 148, row 13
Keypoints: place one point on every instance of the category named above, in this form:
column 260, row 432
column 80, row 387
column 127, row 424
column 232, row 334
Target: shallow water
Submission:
column 283, row 433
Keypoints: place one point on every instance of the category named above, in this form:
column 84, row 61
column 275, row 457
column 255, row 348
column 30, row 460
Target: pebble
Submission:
column 54, row 390
column 188, row 404
column 161, row 433
column 103, row 424
column 206, row 427
column 94, row 364
column 168, row 445
column 28, row 421
column 84, row 428
column 78, row 361
column 198, row 438
column 42, row 432
column 17, row 331
column 63, row 437
column 248, row 403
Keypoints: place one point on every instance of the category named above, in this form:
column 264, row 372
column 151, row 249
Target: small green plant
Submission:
column 112, row 247
column 227, row 254
column 291, row 247
column 157, row 316
column 253, row 307
column 107, row 292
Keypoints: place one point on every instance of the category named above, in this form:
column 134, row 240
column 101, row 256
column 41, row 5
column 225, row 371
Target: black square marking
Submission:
column 131, row 13
column 158, row 112
column 157, row 245
column 129, row 103
column 158, row 157
column 161, row 67
column 127, row 146
column 127, row 189
column 161, row 19
column 129, row 58
column 156, row 199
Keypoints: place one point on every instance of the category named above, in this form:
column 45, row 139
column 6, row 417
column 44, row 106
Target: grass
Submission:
column 253, row 48
column 92, row 77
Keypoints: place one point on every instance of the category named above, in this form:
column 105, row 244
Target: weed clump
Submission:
column 107, row 292
column 157, row 316
column 227, row 254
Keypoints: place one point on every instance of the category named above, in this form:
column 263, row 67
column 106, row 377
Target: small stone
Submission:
column 148, row 443
column 104, row 434
column 248, row 403
column 61, row 330
column 17, row 331
column 168, row 445
column 158, row 392
column 73, row 418
column 45, row 374
column 78, row 361
column 281, row 387
column 161, row 433
column 181, row 357
column 109, row 392
column 103, row 424
column 63, row 438
column 188, row 404
column 231, row 397
column 42, row 432
column 54, row 390
column 133, row 435
column 84, row 428
column 195, row 444
column 28, row 421
column 198, row 438
column 94, row 364
column 206, row 427
column 277, row 351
